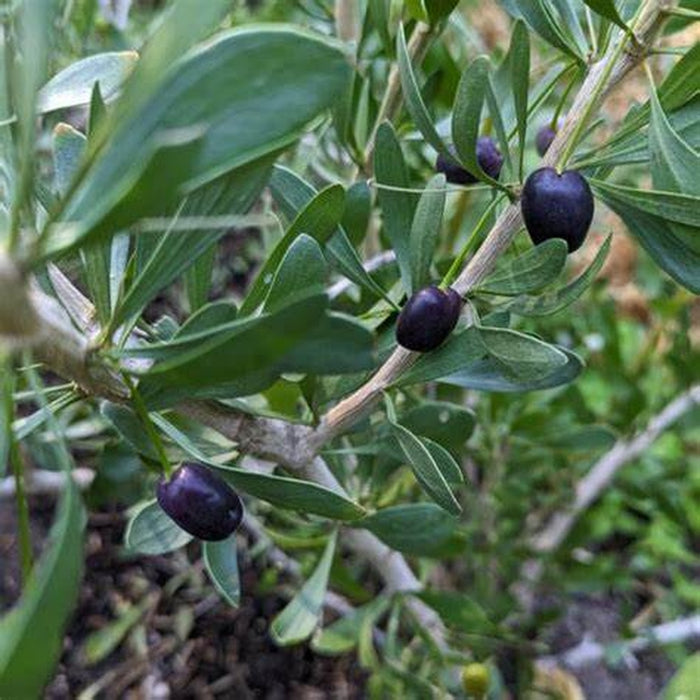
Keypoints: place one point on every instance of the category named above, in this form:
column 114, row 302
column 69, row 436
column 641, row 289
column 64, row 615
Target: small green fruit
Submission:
column 475, row 680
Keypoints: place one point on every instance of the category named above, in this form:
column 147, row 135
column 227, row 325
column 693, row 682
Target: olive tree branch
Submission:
column 603, row 76
column 31, row 318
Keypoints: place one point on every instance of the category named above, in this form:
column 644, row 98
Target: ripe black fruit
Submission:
column 487, row 155
column 428, row 318
column 200, row 502
column 544, row 138
column 557, row 206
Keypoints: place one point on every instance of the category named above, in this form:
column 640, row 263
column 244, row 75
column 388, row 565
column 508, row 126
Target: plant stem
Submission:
column 24, row 534
column 682, row 12
column 142, row 412
column 11, row 450
column 458, row 263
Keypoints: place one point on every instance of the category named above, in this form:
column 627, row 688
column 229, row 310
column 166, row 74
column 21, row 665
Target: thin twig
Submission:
column 599, row 477
column 588, row 651
column 593, row 485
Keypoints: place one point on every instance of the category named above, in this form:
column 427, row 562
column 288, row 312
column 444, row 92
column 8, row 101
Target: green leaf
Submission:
column 221, row 563
column 607, row 9
column 425, row 231
column 176, row 250
column 358, row 208
column 217, row 313
column 524, row 357
column 539, row 16
column 344, row 634
column 338, row 344
column 397, row 207
column 31, row 634
column 555, row 301
column 73, row 85
column 445, row 461
column 674, row 164
column 319, row 219
column 155, row 188
column 282, row 492
column 466, row 116
column 529, row 272
column 458, row 351
column 182, row 25
column 439, row 9
column 379, row 11
column 292, row 194
column 301, row 615
column 519, row 56
column 412, row 97
column 459, row 611
column 293, row 76
column 675, row 249
column 129, row 427
column 151, row 531
column 417, row 529
column 293, row 494
column 98, row 111
column 670, row 206
column 425, row 468
column 68, row 148
column 198, row 279
column 449, row 424
column 236, row 359
column 489, row 375
column 685, row 684
column 301, row 273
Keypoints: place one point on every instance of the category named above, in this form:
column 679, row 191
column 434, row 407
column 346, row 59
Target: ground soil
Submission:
column 190, row 644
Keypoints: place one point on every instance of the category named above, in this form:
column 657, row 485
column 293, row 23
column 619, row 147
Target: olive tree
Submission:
column 306, row 395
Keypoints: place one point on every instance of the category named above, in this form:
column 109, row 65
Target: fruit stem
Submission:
column 142, row 412
column 456, row 266
column 598, row 90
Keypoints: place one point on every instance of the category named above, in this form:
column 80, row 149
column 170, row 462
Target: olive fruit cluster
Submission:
column 200, row 502
column 487, row 155
column 557, row 205
column 427, row 318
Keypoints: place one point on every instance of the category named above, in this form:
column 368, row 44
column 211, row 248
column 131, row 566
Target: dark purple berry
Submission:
column 428, row 317
column 487, row 155
column 557, row 206
column 200, row 502
column 544, row 138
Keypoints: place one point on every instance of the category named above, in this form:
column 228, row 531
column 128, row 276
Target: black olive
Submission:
column 487, row 155
column 200, row 502
column 427, row 318
column 557, row 206
column 544, row 138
